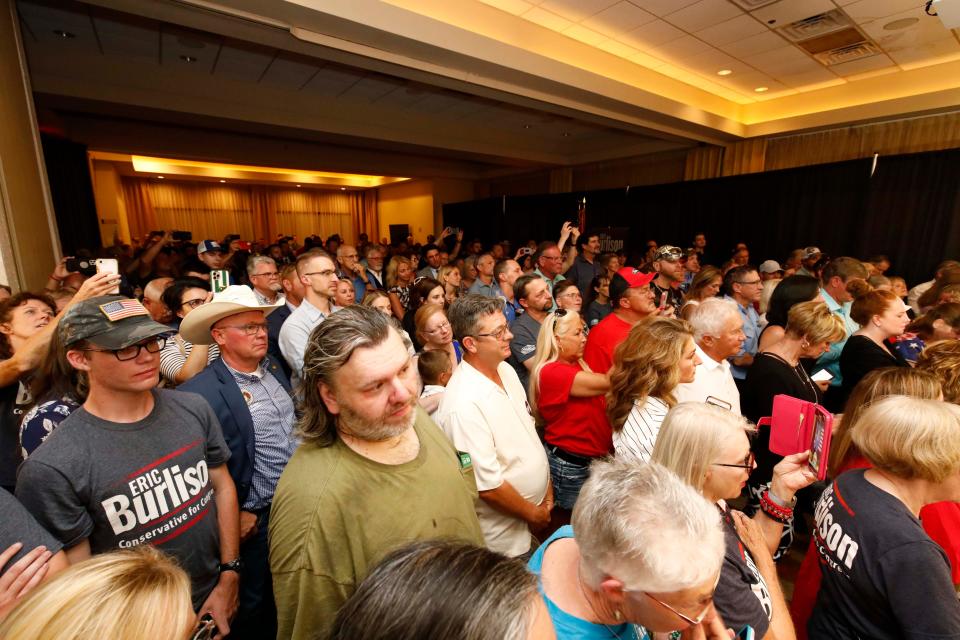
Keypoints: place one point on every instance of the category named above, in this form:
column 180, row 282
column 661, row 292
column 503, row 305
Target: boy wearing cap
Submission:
column 250, row 395
column 135, row 464
column 632, row 300
column 210, row 253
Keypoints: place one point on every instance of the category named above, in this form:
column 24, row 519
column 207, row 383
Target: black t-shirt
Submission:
column 13, row 398
column 674, row 297
column 17, row 525
column 860, row 356
column 741, row 597
column 883, row 577
column 767, row 377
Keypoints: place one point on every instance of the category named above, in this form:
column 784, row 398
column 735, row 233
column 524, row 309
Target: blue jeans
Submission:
column 567, row 479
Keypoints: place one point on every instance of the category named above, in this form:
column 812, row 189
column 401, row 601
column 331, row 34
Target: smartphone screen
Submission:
column 747, row 633
column 219, row 280
column 108, row 265
column 816, row 444
column 822, row 376
column 663, row 300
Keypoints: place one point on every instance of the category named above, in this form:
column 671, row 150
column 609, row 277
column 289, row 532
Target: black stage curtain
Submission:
column 72, row 193
column 908, row 209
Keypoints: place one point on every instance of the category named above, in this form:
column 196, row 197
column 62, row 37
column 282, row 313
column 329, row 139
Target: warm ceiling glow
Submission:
column 724, row 72
column 761, row 89
column 251, row 173
column 159, row 177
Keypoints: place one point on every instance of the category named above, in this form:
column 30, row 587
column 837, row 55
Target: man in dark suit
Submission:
column 252, row 399
column 293, row 293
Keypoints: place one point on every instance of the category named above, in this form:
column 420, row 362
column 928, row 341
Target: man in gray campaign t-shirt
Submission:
column 136, row 465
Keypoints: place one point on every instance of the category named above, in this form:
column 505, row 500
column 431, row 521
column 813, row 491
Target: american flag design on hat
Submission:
column 120, row 309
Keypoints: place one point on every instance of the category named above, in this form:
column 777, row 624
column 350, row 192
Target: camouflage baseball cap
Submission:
column 111, row 322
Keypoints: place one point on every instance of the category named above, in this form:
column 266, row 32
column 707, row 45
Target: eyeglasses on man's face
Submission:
column 249, row 329
column 153, row 345
column 267, row 274
column 326, row 273
column 497, row 333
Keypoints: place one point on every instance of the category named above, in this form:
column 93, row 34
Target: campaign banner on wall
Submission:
column 613, row 238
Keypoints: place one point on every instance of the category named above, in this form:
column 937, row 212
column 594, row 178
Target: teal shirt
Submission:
column 831, row 359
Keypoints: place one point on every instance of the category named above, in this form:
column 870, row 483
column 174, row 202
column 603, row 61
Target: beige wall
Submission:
column 407, row 203
column 28, row 238
column 108, row 195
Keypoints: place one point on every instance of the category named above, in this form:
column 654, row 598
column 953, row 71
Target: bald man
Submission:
column 152, row 302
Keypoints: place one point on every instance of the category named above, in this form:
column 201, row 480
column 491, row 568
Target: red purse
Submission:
column 800, row 425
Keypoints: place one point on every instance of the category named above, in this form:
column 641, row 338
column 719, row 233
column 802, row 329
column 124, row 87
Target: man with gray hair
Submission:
column 350, row 268
column 642, row 556
column 373, row 472
column 265, row 280
column 718, row 333
column 485, row 413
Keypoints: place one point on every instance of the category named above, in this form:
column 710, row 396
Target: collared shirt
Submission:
column 495, row 426
column 583, row 273
column 511, row 308
column 713, row 379
column 558, row 278
column 264, row 301
column 271, row 410
column 491, row 290
column 359, row 286
column 296, row 332
column 831, row 359
column 751, row 329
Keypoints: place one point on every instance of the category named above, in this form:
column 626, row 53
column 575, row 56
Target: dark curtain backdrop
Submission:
column 68, row 174
column 909, row 209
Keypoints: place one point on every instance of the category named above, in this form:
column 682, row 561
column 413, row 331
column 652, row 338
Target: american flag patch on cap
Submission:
column 120, row 309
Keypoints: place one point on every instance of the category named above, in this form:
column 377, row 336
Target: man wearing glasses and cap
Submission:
column 669, row 263
column 808, row 258
column 135, row 464
column 250, row 395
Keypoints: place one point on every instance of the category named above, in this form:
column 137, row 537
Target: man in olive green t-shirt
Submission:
column 373, row 473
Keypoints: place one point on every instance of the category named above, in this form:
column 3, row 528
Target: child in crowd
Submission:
column 435, row 371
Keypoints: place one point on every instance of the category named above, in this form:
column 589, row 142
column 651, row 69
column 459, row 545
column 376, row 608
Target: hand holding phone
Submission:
column 109, row 265
column 822, row 376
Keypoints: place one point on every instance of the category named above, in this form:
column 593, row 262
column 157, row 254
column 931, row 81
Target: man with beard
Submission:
column 373, row 472
column 485, row 413
column 533, row 294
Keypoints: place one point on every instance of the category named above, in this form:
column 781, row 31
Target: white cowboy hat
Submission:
column 234, row 299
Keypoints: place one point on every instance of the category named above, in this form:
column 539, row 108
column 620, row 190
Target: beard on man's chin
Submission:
column 383, row 428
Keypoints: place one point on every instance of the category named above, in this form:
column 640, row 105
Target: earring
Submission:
column 616, row 614
column 804, row 344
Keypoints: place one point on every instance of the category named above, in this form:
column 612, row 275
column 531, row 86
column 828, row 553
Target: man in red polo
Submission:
column 632, row 300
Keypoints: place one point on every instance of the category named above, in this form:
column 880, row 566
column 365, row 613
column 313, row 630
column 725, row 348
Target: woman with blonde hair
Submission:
column 124, row 595
column 568, row 398
column 706, row 284
column 937, row 519
column 942, row 359
column 399, row 281
column 449, row 276
column 883, row 576
column 709, row 449
column 647, row 367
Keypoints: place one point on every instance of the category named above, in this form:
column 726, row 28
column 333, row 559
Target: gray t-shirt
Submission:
column 16, row 525
column 524, row 345
column 123, row 485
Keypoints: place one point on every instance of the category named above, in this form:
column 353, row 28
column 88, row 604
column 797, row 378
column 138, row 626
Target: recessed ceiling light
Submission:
column 223, row 181
column 343, row 188
column 188, row 58
column 527, row 126
column 64, row 34
column 565, row 134
column 761, row 89
column 159, row 177
column 298, row 186
column 902, row 23
column 724, row 72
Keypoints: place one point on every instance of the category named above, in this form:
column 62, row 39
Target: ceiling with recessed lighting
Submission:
column 475, row 88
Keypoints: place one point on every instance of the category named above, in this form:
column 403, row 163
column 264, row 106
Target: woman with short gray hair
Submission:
column 646, row 557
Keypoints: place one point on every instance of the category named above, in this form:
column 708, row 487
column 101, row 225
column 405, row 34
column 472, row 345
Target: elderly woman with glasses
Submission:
column 180, row 360
column 643, row 556
column 568, row 398
column 708, row 448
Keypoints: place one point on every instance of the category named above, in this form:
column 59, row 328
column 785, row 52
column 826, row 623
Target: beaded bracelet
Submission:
column 783, row 515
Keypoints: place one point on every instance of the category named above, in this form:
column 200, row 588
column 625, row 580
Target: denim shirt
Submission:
column 831, row 359
column 751, row 329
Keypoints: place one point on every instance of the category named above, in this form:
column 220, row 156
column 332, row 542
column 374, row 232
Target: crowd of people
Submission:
column 327, row 440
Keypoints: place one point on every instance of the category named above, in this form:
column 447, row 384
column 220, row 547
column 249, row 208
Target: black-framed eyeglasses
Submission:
column 193, row 304
column 747, row 463
column 249, row 329
column 154, row 345
column 496, row 333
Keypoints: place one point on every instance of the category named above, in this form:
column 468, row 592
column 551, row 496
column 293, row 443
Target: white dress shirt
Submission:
column 713, row 380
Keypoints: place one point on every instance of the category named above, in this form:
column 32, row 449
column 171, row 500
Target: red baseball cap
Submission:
column 635, row 277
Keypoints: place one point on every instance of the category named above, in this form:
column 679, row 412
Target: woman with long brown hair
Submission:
column 706, row 284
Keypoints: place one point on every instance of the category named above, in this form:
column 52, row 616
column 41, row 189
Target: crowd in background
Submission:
column 315, row 439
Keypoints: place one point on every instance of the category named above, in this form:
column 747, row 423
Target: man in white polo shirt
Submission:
column 485, row 413
column 718, row 332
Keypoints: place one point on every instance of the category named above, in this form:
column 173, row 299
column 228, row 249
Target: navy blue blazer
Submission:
column 219, row 388
column 274, row 322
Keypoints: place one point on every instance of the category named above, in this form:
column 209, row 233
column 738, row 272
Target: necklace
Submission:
column 590, row 604
column 800, row 373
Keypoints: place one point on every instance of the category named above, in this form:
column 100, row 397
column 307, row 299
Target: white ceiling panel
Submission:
column 581, row 33
column 547, row 19
column 734, row 30
column 577, row 10
column 617, row 48
column 618, row 19
column 289, row 73
column 516, row 7
column 129, row 38
column 243, row 62
column 923, row 30
column 662, row 7
column 873, row 63
column 783, row 61
column 710, row 61
column 767, row 41
column 703, row 14
column 680, row 50
column 867, row 10
column 651, row 34
column 939, row 50
column 787, row 11
column 812, row 77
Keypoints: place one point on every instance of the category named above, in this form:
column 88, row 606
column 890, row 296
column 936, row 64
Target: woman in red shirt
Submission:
column 568, row 400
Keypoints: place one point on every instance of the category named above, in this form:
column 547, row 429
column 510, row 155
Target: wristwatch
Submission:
column 233, row 565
